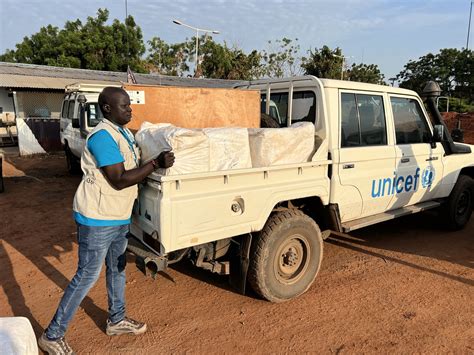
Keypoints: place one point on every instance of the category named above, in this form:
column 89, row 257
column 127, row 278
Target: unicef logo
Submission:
column 427, row 177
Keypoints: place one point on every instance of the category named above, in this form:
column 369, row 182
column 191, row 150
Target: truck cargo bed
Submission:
column 186, row 210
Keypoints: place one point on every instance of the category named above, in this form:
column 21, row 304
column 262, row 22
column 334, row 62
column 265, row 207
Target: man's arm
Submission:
column 120, row 178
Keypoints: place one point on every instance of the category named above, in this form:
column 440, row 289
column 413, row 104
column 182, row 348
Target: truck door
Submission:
column 366, row 155
column 419, row 166
column 74, row 134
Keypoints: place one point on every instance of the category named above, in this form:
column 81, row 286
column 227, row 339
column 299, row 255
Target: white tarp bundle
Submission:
column 218, row 149
column 229, row 148
column 276, row 146
column 190, row 147
column 17, row 336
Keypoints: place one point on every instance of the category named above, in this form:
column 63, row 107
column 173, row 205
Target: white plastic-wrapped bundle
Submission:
column 277, row 146
column 17, row 336
column 145, row 140
column 190, row 147
column 229, row 148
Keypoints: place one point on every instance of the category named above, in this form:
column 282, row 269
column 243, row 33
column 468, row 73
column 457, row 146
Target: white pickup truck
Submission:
column 74, row 125
column 380, row 155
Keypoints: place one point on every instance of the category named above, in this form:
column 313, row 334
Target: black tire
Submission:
column 459, row 206
column 286, row 256
column 72, row 163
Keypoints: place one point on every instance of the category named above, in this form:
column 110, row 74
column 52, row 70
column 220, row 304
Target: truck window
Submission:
column 362, row 120
column 70, row 112
column 278, row 107
column 94, row 114
column 304, row 107
column 64, row 108
column 410, row 126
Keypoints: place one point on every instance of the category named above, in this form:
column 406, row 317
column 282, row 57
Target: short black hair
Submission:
column 107, row 93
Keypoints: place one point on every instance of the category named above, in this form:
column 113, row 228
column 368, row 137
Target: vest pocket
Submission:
column 113, row 203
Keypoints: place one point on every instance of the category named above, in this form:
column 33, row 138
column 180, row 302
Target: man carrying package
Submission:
column 102, row 209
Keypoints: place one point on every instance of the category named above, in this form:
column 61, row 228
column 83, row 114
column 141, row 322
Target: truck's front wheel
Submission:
column 460, row 203
column 72, row 163
column 286, row 256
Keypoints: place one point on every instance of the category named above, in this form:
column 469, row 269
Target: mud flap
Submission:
column 239, row 263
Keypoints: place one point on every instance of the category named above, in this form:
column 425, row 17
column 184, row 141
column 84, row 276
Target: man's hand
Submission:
column 120, row 178
column 165, row 160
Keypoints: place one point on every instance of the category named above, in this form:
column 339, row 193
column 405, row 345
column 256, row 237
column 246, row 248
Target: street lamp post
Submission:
column 197, row 38
column 469, row 26
column 343, row 58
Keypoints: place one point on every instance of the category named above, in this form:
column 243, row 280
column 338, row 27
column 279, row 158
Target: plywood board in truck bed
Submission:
column 195, row 107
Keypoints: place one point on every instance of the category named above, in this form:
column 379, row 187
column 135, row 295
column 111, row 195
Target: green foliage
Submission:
column 167, row 59
column 456, row 105
column 98, row 45
column 366, row 73
column 323, row 63
column 93, row 45
column 223, row 62
column 216, row 61
column 453, row 69
column 281, row 59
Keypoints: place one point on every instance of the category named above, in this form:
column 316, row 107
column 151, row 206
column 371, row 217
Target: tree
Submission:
column 323, row 63
column 366, row 73
column 168, row 59
column 39, row 49
column 93, row 45
column 223, row 62
column 281, row 59
column 453, row 69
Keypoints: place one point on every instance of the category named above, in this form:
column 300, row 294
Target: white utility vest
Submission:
column 95, row 197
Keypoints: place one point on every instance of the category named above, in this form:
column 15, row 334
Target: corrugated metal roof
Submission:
column 17, row 75
column 35, row 82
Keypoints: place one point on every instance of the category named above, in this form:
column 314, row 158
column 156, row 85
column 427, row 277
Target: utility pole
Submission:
column 469, row 26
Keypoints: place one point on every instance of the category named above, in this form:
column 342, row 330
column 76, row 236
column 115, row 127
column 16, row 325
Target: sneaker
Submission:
column 125, row 326
column 54, row 347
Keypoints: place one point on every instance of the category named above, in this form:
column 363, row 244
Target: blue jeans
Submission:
column 96, row 244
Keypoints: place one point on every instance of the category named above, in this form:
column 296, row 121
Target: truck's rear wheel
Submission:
column 460, row 203
column 73, row 164
column 286, row 256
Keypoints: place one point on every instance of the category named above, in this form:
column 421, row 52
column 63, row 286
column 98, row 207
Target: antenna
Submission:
column 127, row 47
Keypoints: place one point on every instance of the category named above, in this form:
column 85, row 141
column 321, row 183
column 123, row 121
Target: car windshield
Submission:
column 93, row 114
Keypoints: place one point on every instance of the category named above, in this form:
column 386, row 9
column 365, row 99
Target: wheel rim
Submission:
column 463, row 203
column 291, row 260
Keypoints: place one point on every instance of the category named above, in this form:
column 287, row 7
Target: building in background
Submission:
column 31, row 97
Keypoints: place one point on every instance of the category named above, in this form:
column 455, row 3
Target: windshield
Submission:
column 93, row 114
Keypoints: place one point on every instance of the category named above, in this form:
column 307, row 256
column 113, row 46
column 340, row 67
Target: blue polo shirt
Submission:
column 106, row 152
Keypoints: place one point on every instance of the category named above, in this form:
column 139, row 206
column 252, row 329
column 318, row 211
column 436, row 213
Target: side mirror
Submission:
column 81, row 99
column 438, row 133
column 75, row 123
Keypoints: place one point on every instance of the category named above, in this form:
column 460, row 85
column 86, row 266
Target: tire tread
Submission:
column 256, row 273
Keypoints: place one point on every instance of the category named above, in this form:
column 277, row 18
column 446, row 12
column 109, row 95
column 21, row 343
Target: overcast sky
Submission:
column 383, row 32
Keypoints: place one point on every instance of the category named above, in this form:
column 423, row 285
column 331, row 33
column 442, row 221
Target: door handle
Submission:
column 432, row 158
column 405, row 160
column 348, row 166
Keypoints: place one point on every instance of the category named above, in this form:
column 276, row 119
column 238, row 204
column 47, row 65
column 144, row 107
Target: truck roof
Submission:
column 298, row 81
column 354, row 85
column 89, row 87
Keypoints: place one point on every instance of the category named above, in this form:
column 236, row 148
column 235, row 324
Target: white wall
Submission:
column 27, row 142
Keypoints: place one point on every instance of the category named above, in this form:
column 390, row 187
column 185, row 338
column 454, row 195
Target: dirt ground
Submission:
column 405, row 286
